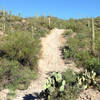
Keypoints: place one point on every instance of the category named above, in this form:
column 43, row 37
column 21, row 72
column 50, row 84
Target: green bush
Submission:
column 19, row 53
column 68, row 52
column 21, row 46
column 71, row 92
column 41, row 31
column 12, row 73
column 93, row 64
column 68, row 33
column 70, row 76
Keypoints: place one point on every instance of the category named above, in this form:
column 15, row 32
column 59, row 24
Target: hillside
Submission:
column 31, row 49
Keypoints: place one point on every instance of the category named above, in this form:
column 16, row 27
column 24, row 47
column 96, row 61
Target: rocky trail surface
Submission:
column 50, row 61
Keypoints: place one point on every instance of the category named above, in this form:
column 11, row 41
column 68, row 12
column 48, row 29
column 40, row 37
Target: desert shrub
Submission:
column 6, row 69
column 79, row 48
column 68, row 33
column 70, row 76
column 21, row 46
column 66, row 53
column 58, row 23
column 41, row 31
column 12, row 73
column 93, row 64
column 81, row 57
column 71, row 92
column 19, row 53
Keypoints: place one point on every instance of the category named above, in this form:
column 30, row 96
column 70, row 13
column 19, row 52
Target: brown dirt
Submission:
column 89, row 94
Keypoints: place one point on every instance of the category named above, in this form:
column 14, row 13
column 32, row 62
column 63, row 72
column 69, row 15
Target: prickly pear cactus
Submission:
column 54, row 83
column 62, row 86
column 86, row 79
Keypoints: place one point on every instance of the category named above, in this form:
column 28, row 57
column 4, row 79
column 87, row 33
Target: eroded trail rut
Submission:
column 49, row 62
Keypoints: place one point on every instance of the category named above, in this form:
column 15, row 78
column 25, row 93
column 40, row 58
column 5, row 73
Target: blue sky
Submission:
column 60, row 8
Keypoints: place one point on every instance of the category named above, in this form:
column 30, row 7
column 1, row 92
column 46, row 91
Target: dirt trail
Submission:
column 49, row 62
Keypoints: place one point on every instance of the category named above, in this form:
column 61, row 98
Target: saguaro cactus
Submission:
column 19, row 15
column 89, row 26
column 32, row 29
column 10, row 14
column 49, row 20
column 93, row 37
column 44, row 18
column 4, row 18
column 36, row 15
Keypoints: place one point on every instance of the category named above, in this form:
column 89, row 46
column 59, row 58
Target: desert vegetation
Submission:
column 20, row 50
column 80, row 47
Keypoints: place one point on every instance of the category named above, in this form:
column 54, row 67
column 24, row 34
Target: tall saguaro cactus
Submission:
column 10, row 14
column 4, row 19
column 49, row 20
column 36, row 15
column 32, row 29
column 93, row 37
column 89, row 25
column 44, row 18
column 19, row 15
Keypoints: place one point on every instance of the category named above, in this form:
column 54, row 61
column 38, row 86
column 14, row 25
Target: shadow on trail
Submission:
column 31, row 97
